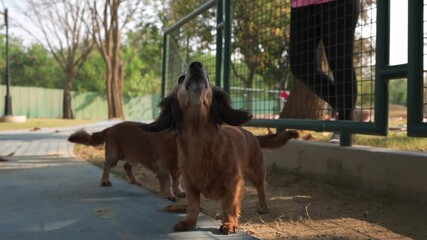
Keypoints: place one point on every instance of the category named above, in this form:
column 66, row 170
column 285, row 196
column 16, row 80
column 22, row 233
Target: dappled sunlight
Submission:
column 302, row 208
column 285, row 198
column 51, row 226
column 336, row 228
column 34, row 162
column 105, row 199
column 35, row 145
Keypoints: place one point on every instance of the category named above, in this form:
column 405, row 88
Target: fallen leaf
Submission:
column 180, row 208
column 35, row 129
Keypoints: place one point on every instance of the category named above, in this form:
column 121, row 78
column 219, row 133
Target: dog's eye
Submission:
column 181, row 79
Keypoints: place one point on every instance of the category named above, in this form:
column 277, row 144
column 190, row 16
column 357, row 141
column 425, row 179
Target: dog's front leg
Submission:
column 231, row 208
column 176, row 183
column 165, row 179
column 193, row 210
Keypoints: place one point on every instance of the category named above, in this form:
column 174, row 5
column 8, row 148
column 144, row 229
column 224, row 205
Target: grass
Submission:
column 397, row 140
column 40, row 123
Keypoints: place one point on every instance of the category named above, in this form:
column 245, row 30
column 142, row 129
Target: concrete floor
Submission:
column 47, row 193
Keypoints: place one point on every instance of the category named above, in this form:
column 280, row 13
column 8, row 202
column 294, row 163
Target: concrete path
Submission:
column 48, row 193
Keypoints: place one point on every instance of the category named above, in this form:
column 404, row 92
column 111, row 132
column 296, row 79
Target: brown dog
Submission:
column 127, row 141
column 213, row 158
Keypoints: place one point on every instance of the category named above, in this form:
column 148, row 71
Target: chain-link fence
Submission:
column 306, row 62
column 194, row 39
column 324, row 67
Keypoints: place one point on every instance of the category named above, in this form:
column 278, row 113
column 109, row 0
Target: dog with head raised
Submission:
column 213, row 158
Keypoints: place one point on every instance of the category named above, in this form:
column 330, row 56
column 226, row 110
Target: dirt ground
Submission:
column 303, row 208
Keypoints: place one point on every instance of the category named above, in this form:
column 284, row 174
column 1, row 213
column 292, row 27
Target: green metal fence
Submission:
column 415, row 70
column 251, row 50
column 197, row 37
column 35, row 102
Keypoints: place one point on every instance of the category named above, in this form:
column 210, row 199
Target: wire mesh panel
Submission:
column 290, row 60
column 425, row 61
column 193, row 41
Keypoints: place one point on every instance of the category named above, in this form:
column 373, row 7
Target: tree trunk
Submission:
column 67, row 110
column 114, row 81
column 109, row 85
column 249, row 85
column 114, row 93
column 114, row 70
column 117, row 92
column 302, row 103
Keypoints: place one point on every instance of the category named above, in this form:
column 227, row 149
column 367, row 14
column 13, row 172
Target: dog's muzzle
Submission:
column 195, row 84
column 197, row 78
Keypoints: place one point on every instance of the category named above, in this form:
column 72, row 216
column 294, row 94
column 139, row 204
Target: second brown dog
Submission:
column 127, row 141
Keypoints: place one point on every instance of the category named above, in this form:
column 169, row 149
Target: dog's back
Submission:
column 128, row 141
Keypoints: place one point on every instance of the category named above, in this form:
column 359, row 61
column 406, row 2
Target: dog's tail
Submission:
column 85, row 138
column 272, row 141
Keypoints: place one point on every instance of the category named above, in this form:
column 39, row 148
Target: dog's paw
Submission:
column 184, row 226
column 227, row 228
column 262, row 209
column 106, row 184
column 136, row 183
column 180, row 194
column 172, row 198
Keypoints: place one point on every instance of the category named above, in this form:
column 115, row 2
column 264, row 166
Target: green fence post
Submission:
column 219, row 42
column 227, row 44
column 382, row 61
column 415, row 68
column 164, row 64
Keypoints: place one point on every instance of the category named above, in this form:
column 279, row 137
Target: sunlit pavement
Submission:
column 48, row 193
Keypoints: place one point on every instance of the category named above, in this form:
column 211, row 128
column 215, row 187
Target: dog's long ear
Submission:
column 170, row 116
column 221, row 110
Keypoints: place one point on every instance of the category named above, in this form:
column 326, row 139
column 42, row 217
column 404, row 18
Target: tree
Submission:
column 253, row 21
column 151, row 56
column 91, row 75
column 193, row 41
column 143, row 72
column 108, row 22
column 31, row 65
column 64, row 35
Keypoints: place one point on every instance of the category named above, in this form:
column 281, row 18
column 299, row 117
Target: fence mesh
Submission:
column 194, row 41
column 334, row 41
column 425, row 61
column 282, row 56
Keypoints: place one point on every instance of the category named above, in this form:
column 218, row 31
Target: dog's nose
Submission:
column 196, row 65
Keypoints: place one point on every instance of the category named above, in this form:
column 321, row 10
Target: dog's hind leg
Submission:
column 256, row 174
column 165, row 179
column 176, row 183
column 259, row 184
column 111, row 159
column 105, row 180
column 231, row 208
column 128, row 169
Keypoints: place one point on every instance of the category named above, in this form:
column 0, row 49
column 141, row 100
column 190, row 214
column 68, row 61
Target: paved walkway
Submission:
column 48, row 193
